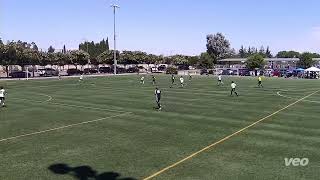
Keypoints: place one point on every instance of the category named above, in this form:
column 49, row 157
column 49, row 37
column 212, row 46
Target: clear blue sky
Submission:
column 164, row 26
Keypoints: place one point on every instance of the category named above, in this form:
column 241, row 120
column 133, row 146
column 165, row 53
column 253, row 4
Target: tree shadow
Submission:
column 85, row 173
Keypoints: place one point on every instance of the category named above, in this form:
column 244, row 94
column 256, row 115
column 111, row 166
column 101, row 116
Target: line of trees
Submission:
column 28, row 54
column 218, row 47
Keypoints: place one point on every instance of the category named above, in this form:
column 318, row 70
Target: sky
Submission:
column 164, row 26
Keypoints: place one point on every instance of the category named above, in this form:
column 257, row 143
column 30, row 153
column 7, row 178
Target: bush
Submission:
column 171, row 70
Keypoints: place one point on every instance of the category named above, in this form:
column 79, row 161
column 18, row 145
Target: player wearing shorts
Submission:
column 153, row 80
column 260, row 82
column 181, row 81
column 2, row 96
column 81, row 78
column 233, row 88
column 157, row 93
column 172, row 80
column 220, row 80
column 142, row 80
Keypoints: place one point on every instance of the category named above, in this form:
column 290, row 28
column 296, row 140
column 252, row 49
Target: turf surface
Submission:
column 107, row 128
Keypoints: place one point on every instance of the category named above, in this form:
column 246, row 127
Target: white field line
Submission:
column 279, row 94
column 161, row 171
column 50, row 98
column 63, row 127
column 87, row 107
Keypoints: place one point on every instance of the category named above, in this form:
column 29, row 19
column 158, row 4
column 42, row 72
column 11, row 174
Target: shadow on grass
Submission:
column 85, row 173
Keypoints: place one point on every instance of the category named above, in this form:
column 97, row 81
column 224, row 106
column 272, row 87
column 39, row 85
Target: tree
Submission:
column 107, row 44
column 205, row 60
column 288, row 54
column 51, row 49
column 94, row 49
column 255, row 61
column 107, row 57
column 34, row 46
column 243, row 52
column 262, row 52
column 193, row 60
column 249, row 52
column 306, row 60
column 44, row 59
column 79, row 57
column 32, row 57
column 8, row 56
column 217, row 46
column 64, row 50
column 268, row 53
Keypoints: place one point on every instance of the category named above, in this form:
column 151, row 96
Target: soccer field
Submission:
column 107, row 128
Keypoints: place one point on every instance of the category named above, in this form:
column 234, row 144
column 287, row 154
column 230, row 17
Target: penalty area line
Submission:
column 63, row 127
column 225, row 138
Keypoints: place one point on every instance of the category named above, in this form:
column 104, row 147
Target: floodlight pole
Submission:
column 114, row 6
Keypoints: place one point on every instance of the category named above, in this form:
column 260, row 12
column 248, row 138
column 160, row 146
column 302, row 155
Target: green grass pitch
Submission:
column 107, row 128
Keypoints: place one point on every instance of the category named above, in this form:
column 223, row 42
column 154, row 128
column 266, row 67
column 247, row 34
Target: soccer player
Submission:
column 157, row 93
column 181, row 81
column 153, row 80
column 172, row 80
column 2, row 96
column 142, row 80
column 220, row 80
column 81, row 78
column 233, row 88
column 260, row 82
column 190, row 77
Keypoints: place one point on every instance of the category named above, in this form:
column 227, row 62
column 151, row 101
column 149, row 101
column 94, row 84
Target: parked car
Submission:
column 203, row 71
column 162, row 68
column 48, row 72
column 105, row 70
column 19, row 74
column 72, row 72
column 244, row 72
column 120, row 70
column 171, row 70
column 227, row 72
column 90, row 71
column 183, row 67
column 133, row 70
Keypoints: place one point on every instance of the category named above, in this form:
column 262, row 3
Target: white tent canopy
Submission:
column 312, row 69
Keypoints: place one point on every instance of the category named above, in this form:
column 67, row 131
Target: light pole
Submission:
column 114, row 6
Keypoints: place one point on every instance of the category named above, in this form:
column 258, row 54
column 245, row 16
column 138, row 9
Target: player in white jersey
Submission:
column 2, row 96
column 142, row 80
column 81, row 78
column 220, row 80
column 181, row 81
column 157, row 93
column 233, row 88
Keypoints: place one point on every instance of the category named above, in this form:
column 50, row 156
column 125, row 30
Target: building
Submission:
column 271, row 63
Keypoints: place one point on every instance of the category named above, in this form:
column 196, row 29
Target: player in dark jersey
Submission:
column 172, row 80
column 157, row 93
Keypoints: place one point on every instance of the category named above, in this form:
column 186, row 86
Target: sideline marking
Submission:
column 279, row 94
column 62, row 127
column 69, row 105
column 49, row 98
column 225, row 138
